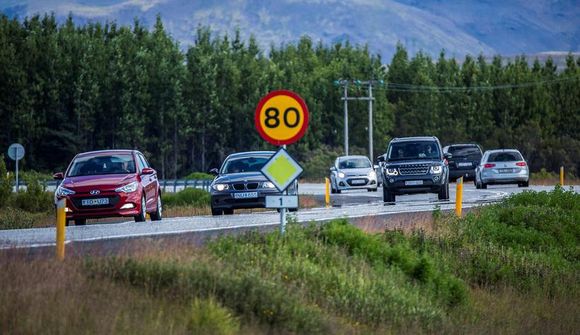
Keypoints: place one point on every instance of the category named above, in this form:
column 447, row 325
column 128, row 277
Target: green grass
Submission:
column 191, row 197
column 199, row 176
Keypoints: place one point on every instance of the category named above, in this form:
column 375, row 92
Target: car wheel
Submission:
column 143, row 212
column 293, row 209
column 158, row 215
column 229, row 211
column 524, row 184
column 216, row 212
column 388, row 196
column 483, row 185
column 80, row 222
column 444, row 192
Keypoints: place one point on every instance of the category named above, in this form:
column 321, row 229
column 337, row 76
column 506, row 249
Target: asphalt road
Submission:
column 350, row 204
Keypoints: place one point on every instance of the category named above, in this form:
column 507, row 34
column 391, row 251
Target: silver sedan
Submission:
column 503, row 166
column 353, row 172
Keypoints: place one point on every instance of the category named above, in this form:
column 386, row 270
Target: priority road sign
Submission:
column 281, row 169
column 281, row 117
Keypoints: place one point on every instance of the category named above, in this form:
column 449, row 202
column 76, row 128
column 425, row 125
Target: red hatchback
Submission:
column 109, row 183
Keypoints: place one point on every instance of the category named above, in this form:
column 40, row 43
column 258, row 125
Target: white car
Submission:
column 503, row 166
column 353, row 172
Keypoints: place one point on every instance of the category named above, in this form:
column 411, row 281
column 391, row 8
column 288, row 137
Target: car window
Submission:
column 354, row 163
column 244, row 164
column 505, row 157
column 102, row 164
column 465, row 151
column 143, row 160
column 413, row 150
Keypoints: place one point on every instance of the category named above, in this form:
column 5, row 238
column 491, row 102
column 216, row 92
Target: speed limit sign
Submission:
column 281, row 117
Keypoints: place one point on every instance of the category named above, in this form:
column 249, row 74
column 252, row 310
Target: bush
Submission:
column 34, row 199
column 208, row 317
column 5, row 184
column 199, row 176
column 13, row 218
column 188, row 197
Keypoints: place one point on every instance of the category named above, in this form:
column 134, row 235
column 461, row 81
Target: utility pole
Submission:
column 370, row 98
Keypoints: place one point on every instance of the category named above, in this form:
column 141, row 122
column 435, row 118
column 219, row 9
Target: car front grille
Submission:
column 414, row 169
column 113, row 200
column 361, row 181
column 245, row 186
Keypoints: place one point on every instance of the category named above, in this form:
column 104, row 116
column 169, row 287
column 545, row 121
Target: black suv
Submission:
column 414, row 165
column 466, row 158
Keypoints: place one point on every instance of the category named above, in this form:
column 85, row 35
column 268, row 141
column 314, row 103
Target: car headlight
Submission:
column 63, row 192
column 131, row 187
column 220, row 187
column 268, row 184
column 372, row 175
column 436, row 169
column 392, row 172
column 341, row 174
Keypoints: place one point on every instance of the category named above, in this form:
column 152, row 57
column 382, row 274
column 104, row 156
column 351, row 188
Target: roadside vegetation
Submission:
column 512, row 267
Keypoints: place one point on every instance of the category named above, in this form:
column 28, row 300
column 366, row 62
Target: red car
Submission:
column 109, row 183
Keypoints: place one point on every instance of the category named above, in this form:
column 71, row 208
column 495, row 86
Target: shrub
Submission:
column 188, row 197
column 34, row 199
column 208, row 317
column 13, row 218
column 5, row 183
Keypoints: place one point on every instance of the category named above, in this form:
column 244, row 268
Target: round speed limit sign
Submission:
column 281, row 117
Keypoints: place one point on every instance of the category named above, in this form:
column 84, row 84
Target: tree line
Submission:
column 65, row 89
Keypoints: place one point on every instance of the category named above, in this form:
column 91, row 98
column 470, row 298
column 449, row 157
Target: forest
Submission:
column 66, row 88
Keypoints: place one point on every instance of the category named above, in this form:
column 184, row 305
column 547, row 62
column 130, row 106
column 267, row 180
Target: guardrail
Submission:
column 167, row 185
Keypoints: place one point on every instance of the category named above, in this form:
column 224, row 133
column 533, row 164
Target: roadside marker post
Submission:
column 281, row 118
column 327, row 192
column 459, row 197
column 562, row 176
column 60, row 228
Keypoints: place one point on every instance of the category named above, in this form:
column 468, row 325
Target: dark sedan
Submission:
column 464, row 159
column 240, row 184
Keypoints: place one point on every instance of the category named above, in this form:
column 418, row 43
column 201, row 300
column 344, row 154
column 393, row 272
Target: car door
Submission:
column 149, row 182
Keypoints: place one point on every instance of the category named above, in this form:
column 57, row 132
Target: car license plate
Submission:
column 95, row 202
column 413, row 182
column 505, row 170
column 463, row 164
column 246, row 195
column 357, row 182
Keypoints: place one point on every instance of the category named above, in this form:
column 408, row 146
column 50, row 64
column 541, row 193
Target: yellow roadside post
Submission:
column 561, row 176
column 459, row 197
column 327, row 192
column 60, row 228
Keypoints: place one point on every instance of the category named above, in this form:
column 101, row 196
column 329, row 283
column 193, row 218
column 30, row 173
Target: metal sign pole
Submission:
column 16, row 155
column 283, row 212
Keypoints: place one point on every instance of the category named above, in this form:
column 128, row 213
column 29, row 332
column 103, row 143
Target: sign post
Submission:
column 281, row 118
column 16, row 152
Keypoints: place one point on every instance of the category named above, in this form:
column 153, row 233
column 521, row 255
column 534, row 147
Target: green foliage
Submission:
column 34, row 199
column 5, row 184
column 14, row 218
column 188, row 197
column 199, row 176
column 529, row 242
column 208, row 317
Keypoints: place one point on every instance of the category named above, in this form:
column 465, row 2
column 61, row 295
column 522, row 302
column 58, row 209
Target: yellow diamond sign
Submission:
column 282, row 170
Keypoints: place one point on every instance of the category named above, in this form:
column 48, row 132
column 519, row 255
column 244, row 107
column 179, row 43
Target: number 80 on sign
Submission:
column 281, row 117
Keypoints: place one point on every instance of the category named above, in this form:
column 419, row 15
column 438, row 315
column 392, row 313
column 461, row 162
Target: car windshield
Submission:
column 354, row 163
column 465, row 151
column 103, row 164
column 245, row 164
column 510, row 156
column 413, row 150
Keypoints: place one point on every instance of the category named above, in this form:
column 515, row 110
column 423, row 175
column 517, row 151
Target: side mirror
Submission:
column 381, row 158
column 147, row 171
column 58, row 176
column 214, row 171
column 332, row 169
column 375, row 167
column 447, row 155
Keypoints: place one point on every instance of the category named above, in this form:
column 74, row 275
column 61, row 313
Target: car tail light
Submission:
column 521, row 163
column 488, row 166
column 445, row 162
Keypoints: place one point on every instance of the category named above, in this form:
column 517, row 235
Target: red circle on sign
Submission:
column 305, row 115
